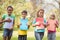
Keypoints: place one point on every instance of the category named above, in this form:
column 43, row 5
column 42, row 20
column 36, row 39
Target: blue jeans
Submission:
column 51, row 36
column 39, row 35
column 7, row 33
column 22, row 37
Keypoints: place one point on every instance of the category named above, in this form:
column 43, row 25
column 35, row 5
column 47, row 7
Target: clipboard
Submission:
column 24, row 25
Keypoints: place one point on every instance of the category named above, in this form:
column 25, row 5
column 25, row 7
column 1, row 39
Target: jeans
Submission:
column 39, row 35
column 51, row 36
column 22, row 37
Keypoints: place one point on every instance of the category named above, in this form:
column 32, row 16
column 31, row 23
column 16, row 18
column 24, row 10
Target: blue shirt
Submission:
column 23, row 25
column 40, row 30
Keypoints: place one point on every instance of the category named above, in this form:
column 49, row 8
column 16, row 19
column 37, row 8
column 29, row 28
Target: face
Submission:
column 41, row 13
column 9, row 10
column 52, row 16
column 24, row 15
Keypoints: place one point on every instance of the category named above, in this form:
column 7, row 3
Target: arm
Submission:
column 19, row 25
column 57, row 24
column 45, row 22
column 3, row 19
column 6, row 20
column 28, row 25
column 34, row 23
column 13, row 23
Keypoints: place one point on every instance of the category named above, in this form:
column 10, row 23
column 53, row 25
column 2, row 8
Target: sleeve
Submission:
column 34, row 21
column 45, row 21
column 57, row 22
column 14, row 17
column 3, row 16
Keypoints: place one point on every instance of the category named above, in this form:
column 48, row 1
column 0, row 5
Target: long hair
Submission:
column 39, row 11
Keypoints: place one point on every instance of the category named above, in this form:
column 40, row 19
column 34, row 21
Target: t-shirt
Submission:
column 40, row 23
column 23, row 27
column 7, row 24
column 52, row 25
column 39, row 30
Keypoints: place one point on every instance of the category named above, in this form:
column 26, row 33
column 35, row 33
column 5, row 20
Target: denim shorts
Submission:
column 7, row 32
column 39, row 35
column 52, row 36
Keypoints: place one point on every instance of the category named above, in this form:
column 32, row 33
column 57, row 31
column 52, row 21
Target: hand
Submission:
column 11, row 28
column 37, row 24
column 28, row 25
column 1, row 22
column 9, row 20
column 56, row 25
column 19, row 25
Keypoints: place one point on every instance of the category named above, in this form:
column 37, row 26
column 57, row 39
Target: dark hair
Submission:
column 39, row 11
column 24, row 12
column 9, row 7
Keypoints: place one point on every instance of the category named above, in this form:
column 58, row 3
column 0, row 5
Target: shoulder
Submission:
column 13, row 16
column 4, row 16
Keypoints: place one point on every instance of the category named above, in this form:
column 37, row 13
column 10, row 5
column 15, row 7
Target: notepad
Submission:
column 24, row 25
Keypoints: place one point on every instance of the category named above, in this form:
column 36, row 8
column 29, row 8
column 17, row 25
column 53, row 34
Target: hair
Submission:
column 52, row 15
column 24, row 12
column 9, row 7
column 39, row 11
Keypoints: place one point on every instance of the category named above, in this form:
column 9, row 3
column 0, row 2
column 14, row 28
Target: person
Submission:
column 23, row 26
column 52, row 24
column 39, row 24
column 8, row 23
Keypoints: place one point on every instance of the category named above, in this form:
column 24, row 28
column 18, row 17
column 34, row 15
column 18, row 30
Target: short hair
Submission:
column 9, row 7
column 24, row 12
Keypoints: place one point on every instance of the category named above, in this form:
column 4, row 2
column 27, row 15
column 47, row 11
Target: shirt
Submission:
column 52, row 25
column 40, row 30
column 7, row 24
column 23, row 27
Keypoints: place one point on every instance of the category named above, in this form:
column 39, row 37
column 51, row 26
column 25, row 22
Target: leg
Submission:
column 41, row 35
column 9, row 37
column 20, row 37
column 10, row 34
column 54, row 36
column 25, row 37
column 4, row 38
column 49, row 36
column 5, row 34
column 37, row 36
